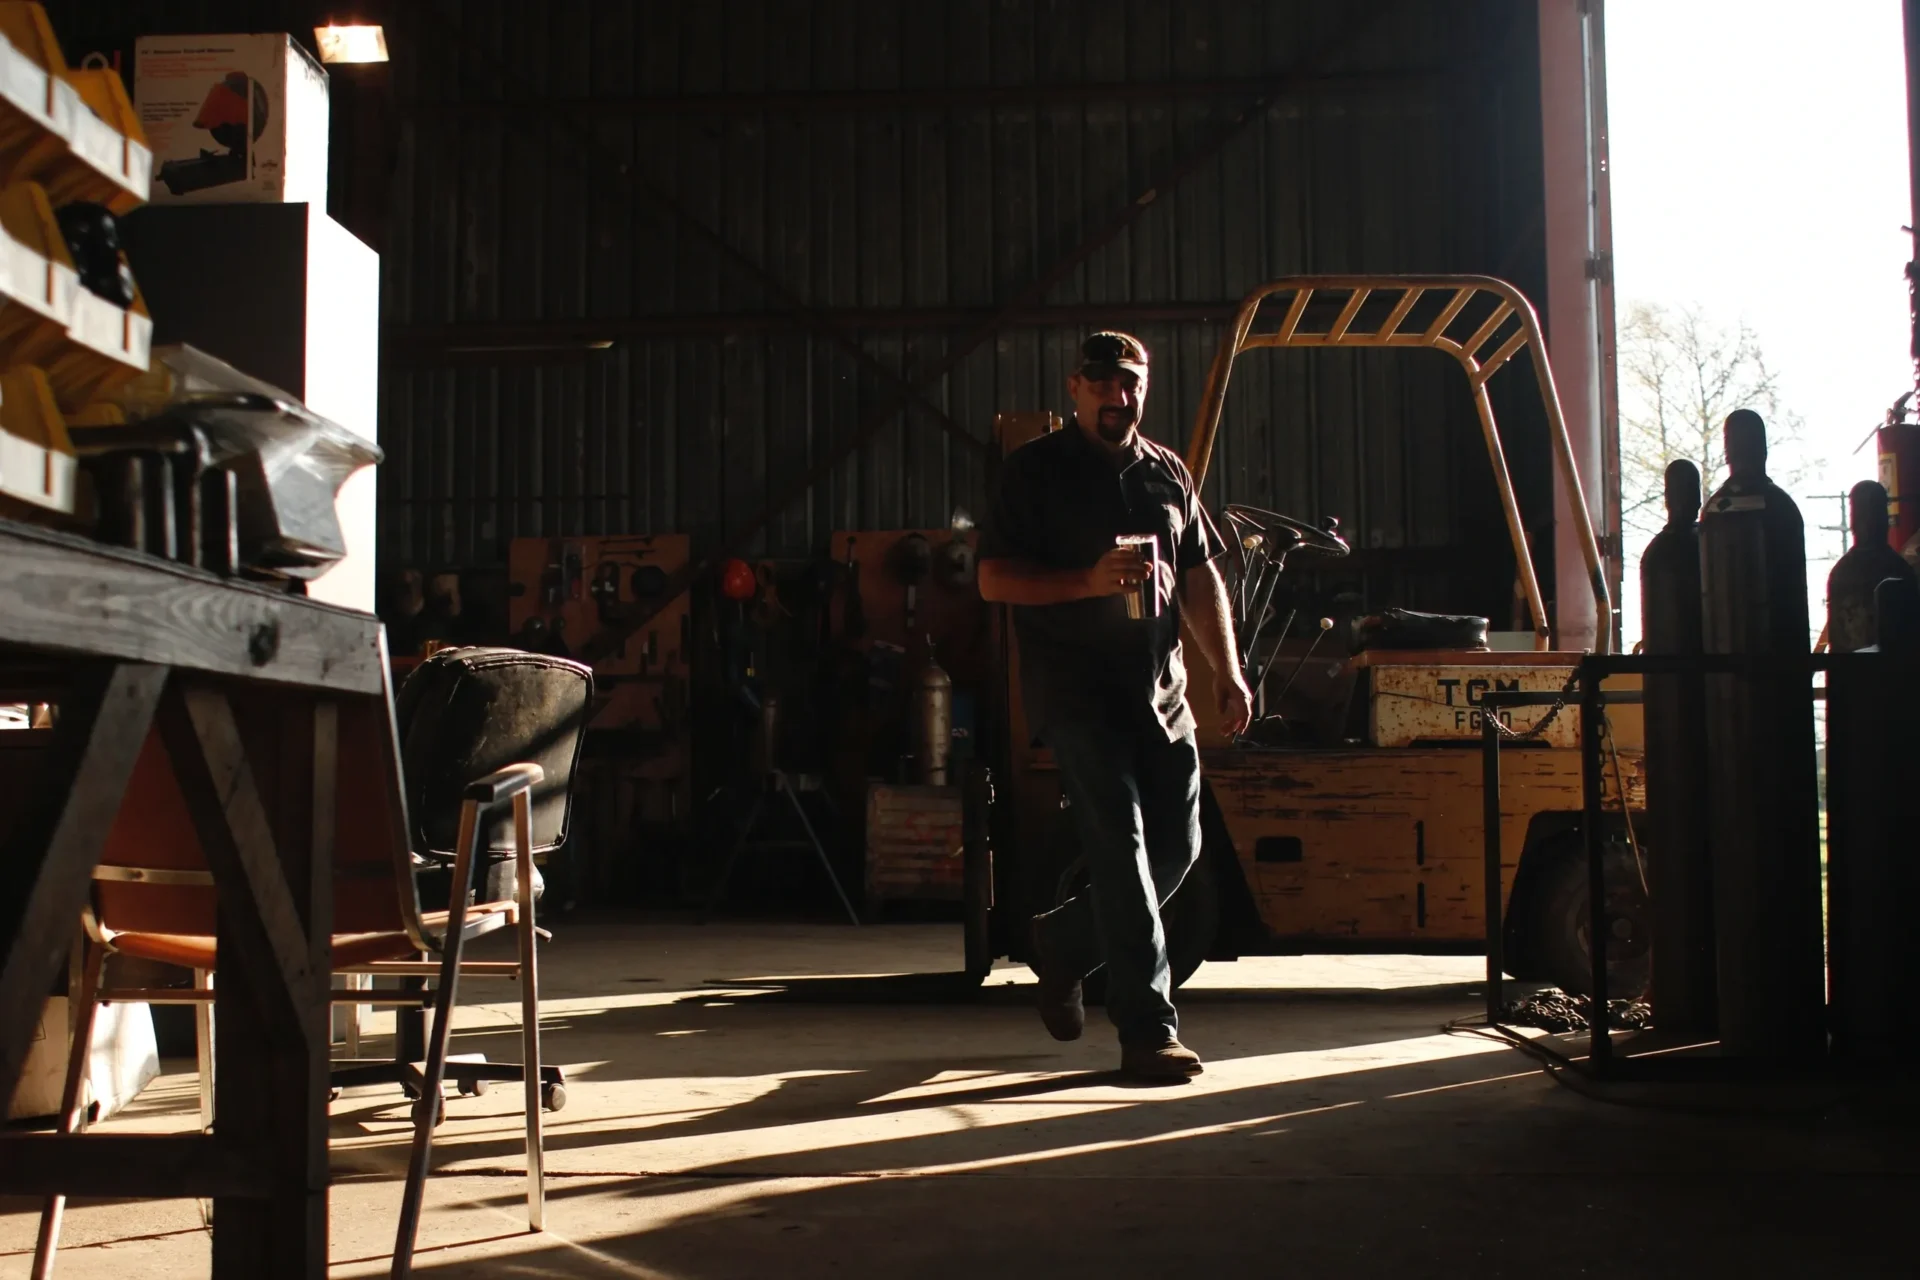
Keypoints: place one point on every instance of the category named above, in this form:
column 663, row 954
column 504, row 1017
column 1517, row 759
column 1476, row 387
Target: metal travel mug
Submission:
column 1143, row 601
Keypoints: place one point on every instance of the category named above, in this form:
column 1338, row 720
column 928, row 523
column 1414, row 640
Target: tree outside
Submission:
column 1681, row 373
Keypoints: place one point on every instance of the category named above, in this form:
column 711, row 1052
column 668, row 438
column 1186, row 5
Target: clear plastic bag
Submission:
column 288, row 461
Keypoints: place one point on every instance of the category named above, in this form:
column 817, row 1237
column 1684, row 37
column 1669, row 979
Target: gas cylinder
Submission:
column 1852, row 619
column 933, row 699
column 1873, row 809
column 1762, row 790
column 1896, row 606
column 1679, row 862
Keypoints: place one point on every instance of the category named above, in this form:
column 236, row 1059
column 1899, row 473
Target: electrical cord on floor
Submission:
column 1558, row 1070
column 1563, row 1072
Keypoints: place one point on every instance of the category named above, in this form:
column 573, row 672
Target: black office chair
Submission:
column 463, row 715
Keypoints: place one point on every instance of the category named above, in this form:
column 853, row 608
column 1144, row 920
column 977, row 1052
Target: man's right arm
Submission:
column 1014, row 580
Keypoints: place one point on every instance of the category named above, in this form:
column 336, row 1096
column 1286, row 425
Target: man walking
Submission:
column 1105, row 687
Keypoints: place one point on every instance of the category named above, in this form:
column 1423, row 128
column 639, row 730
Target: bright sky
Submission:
column 1759, row 164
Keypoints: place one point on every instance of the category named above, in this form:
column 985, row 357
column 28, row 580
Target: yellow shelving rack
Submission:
column 65, row 135
column 73, row 130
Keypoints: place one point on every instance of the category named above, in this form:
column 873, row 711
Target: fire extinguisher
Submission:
column 1898, row 442
column 935, row 721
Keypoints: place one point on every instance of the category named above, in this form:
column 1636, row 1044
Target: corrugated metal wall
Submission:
column 909, row 165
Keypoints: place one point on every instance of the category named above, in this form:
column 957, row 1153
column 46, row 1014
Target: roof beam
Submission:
column 415, row 346
column 535, row 112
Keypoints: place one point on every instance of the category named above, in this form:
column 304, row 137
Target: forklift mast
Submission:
column 1481, row 321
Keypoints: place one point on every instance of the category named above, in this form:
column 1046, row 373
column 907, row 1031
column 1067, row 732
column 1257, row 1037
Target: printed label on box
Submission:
column 232, row 119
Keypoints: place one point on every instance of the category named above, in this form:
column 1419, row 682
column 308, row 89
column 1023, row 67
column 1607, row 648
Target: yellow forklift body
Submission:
column 1383, row 845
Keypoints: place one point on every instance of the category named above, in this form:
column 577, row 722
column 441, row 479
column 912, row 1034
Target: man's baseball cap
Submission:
column 1105, row 354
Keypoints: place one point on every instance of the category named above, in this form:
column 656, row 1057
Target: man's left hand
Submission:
column 1235, row 703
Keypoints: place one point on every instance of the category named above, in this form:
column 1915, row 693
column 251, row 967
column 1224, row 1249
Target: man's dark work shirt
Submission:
column 1061, row 503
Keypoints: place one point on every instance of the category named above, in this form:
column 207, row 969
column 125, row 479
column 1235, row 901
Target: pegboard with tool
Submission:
column 563, row 592
column 637, row 773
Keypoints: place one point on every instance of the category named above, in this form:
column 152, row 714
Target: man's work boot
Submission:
column 1168, row 1061
column 1062, row 1007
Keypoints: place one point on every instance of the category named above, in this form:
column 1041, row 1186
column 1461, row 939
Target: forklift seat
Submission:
column 1405, row 629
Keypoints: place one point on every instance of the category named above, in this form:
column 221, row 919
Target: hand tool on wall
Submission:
column 853, row 619
column 648, row 581
column 768, row 608
column 553, row 578
column 913, row 561
column 957, row 562
column 605, row 590
column 822, row 598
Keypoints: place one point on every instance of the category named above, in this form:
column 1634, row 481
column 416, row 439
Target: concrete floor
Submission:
column 719, row 1129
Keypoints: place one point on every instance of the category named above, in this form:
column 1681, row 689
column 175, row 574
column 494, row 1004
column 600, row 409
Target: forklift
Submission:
column 1348, row 816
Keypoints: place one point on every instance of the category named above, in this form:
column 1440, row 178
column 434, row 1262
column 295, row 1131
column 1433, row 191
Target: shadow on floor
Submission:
column 873, row 1054
column 961, row 988
column 1457, row 1167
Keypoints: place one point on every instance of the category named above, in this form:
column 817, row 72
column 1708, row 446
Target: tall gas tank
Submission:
column 1679, row 862
column 934, row 717
column 1873, row 809
column 1762, row 790
column 1852, row 618
column 1873, row 879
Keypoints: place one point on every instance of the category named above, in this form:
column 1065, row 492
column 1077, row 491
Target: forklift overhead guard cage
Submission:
column 1481, row 321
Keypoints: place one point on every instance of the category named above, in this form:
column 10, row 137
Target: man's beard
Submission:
column 1114, row 425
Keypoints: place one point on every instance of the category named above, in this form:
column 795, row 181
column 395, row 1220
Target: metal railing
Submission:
column 1592, row 698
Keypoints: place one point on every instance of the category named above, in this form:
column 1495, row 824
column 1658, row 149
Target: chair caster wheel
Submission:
column 419, row 1111
column 473, row 1088
column 553, row 1097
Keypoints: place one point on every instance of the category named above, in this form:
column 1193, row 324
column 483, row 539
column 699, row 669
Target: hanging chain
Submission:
column 1626, row 807
column 1612, row 750
column 1544, row 723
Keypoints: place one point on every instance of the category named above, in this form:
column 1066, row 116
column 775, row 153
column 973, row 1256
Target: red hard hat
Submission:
column 736, row 580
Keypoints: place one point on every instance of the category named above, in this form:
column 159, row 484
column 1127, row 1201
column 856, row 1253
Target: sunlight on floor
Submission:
column 675, row 1122
column 946, row 1103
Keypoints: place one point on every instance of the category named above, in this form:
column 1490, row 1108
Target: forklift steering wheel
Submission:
column 1292, row 534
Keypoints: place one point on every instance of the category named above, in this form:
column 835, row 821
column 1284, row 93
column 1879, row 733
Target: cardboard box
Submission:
column 122, row 1061
column 233, row 119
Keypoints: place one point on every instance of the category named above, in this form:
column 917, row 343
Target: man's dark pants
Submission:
column 1135, row 800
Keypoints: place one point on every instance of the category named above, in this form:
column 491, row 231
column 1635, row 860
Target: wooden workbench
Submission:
column 123, row 643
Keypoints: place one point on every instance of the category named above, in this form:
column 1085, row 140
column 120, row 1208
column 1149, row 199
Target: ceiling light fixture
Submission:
column 351, row 43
